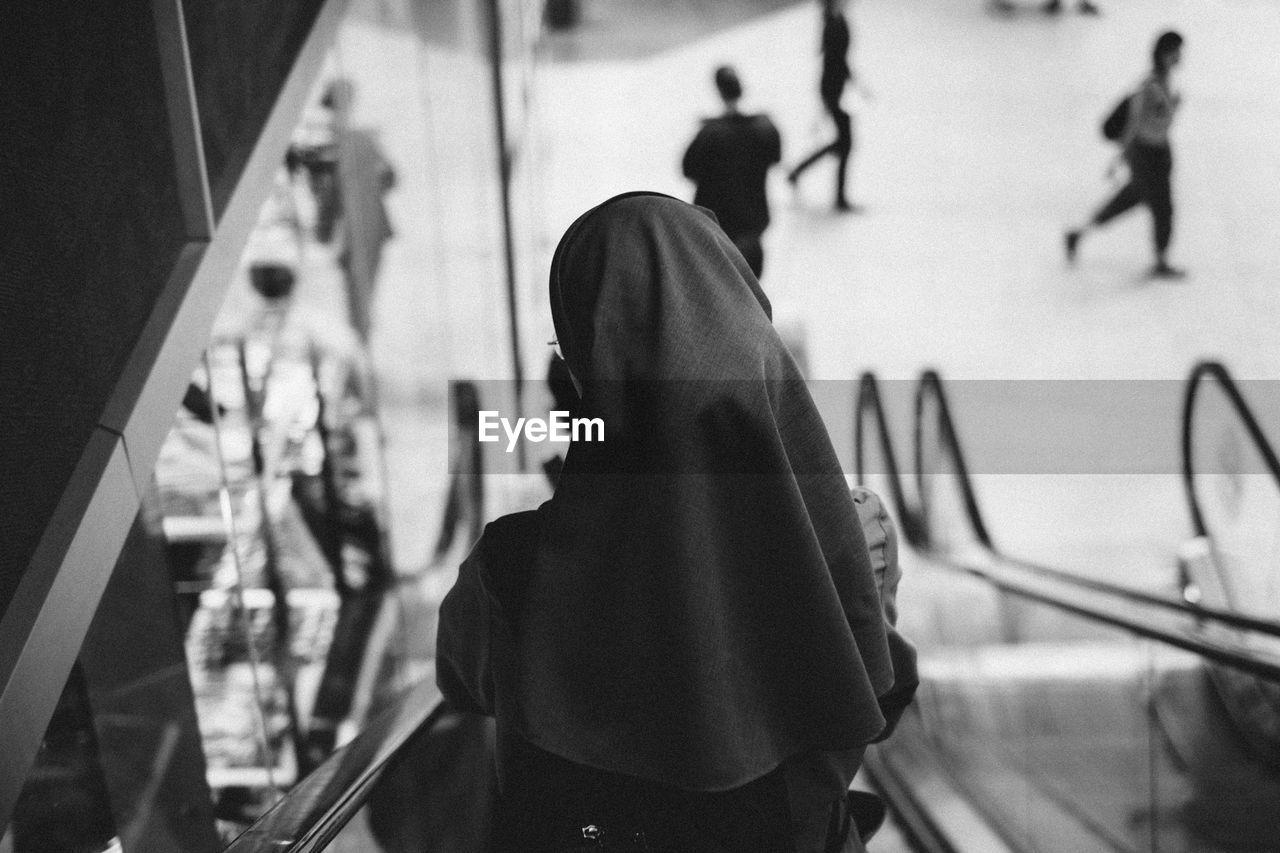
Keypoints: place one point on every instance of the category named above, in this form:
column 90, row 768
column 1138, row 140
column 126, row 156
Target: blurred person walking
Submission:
column 349, row 175
column 1144, row 143
column 729, row 160
column 836, row 72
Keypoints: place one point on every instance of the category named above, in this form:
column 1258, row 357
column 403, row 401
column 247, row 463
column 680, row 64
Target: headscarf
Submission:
column 701, row 604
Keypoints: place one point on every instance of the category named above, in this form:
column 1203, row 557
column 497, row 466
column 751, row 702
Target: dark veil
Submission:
column 700, row 603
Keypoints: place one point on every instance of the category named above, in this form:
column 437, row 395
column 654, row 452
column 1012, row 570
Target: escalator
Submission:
column 1056, row 712
column 1062, row 713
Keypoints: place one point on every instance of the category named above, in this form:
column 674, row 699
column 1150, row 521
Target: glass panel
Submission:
column 971, row 710
column 1240, row 507
column 64, row 804
column 282, row 582
column 1087, row 724
column 1041, row 715
column 445, row 810
column 237, row 641
column 1047, row 730
column 1216, row 757
column 122, row 757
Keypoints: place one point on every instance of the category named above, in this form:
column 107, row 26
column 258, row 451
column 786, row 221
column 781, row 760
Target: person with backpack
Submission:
column 1140, row 125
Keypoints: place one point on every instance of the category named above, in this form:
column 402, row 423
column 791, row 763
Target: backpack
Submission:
column 1113, row 126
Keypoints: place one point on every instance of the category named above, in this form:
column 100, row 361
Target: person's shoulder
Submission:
column 1151, row 84
column 514, row 533
column 708, row 128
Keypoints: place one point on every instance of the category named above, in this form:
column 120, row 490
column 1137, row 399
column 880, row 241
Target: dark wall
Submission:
column 91, row 221
column 90, row 226
column 236, row 87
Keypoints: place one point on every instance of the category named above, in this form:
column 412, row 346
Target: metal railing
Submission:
column 1045, row 584
column 1213, row 370
column 316, row 809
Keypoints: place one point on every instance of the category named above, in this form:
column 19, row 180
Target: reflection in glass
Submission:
column 1240, row 506
column 260, row 615
column 64, row 805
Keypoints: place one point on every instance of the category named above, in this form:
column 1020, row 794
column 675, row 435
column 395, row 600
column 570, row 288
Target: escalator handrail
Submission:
column 869, row 402
column 1215, row 370
column 314, row 811
column 931, row 383
column 1229, row 618
column 1229, row 655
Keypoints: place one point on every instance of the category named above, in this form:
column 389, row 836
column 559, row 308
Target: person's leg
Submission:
column 1161, row 204
column 1125, row 200
column 831, row 102
column 1158, row 195
column 794, row 174
column 1129, row 197
column 843, row 147
column 359, row 294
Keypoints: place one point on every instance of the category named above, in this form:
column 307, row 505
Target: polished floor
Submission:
column 977, row 146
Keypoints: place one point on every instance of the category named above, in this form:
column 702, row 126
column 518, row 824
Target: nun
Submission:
column 686, row 648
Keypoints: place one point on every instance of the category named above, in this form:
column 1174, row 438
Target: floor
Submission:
column 977, row 145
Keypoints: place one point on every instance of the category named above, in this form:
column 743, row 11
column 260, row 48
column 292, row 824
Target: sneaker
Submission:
column 1071, row 240
column 1164, row 270
column 1087, row 8
column 843, row 206
column 1053, row 7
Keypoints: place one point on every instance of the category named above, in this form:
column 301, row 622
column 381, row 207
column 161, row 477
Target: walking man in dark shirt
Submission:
column 728, row 160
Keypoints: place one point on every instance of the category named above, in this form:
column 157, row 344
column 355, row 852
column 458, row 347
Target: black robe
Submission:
column 696, row 609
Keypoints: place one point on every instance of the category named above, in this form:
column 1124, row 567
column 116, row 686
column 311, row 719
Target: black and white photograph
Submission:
column 719, row 426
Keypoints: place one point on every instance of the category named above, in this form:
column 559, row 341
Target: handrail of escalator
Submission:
column 1212, row 369
column 1196, row 638
column 315, row 810
column 1038, row 584
column 868, row 403
column 931, row 385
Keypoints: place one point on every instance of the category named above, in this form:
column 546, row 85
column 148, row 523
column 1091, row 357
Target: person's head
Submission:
column 1167, row 51
column 339, row 96
column 712, row 505
column 624, row 278
column 273, row 281
column 728, row 85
